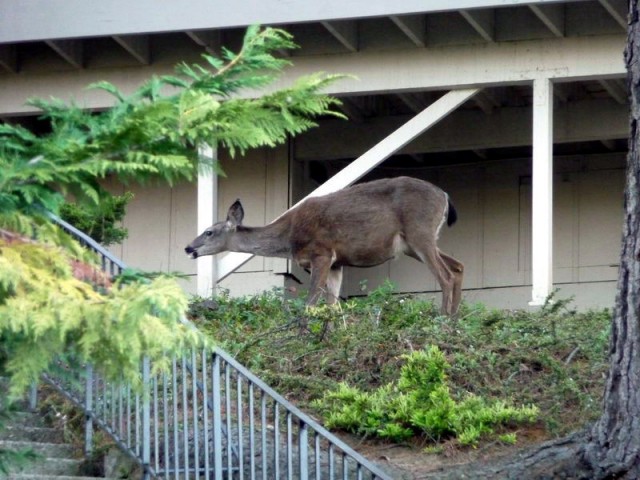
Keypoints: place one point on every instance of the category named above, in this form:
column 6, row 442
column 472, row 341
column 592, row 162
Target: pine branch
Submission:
column 154, row 134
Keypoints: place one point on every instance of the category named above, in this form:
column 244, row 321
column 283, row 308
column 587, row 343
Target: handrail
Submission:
column 87, row 240
column 298, row 413
column 109, row 262
column 208, row 416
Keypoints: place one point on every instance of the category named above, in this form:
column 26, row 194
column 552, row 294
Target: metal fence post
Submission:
column 146, row 418
column 33, row 397
column 88, row 416
column 217, row 418
column 303, row 450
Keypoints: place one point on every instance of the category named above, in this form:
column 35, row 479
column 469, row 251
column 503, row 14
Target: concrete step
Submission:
column 52, row 467
column 55, row 460
column 32, row 434
column 30, row 476
column 48, row 450
column 25, row 419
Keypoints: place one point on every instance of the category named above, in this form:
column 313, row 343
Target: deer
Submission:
column 363, row 225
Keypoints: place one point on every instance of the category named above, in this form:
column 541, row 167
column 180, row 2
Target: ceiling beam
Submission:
column 413, row 69
column 485, row 101
column 482, row 153
column 33, row 20
column 9, row 58
column 70, row 50
column 345, row 31
column 351, row 110
column 211, row 40
column 413, row 26
column 618, row 10
column 617, row 91
column 413, row 100
column 470, row 129
column 609, row 144
column 138, row 46
column 552, row 16
column 482, row 21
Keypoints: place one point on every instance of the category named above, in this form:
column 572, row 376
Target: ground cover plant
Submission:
column 508, row 374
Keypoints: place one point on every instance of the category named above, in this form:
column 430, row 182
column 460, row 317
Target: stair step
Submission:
column 51, row 467
column 48, row 450
column 31, row 434
column 25, row 419
column 31, row 476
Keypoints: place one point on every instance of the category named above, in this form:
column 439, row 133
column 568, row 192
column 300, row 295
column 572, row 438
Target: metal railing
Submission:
column 206, row 417
column 109, row 263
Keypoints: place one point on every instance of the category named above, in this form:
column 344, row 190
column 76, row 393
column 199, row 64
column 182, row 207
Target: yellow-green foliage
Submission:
column 419, row 403
column 45, row 312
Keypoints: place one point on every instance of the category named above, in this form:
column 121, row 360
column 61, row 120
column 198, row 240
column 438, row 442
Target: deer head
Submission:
column 215, row 239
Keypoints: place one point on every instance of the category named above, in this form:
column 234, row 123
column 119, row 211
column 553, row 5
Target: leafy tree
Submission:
column 53, row 300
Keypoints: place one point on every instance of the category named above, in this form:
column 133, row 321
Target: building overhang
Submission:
column 31, row 20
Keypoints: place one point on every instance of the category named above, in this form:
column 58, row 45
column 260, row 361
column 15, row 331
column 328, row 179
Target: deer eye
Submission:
column 208, row 233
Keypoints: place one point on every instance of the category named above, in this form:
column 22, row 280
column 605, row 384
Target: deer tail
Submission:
column 452, row 215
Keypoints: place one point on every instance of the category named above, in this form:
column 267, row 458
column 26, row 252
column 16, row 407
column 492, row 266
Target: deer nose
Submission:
column 191, row 252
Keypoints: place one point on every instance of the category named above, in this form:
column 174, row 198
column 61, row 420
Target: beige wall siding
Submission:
column 261, row 181
column 161, row 221
column 493, row 234
column 491, row 237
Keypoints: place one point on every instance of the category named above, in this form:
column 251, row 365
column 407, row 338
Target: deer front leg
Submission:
column 320, row 267
column 334, row 282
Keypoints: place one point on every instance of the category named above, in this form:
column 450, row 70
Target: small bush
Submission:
column 99, row 220
column 419, row 403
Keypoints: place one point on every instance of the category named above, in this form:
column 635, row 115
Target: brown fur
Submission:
column 361, row 226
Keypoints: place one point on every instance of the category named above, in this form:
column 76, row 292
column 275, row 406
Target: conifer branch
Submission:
column 47, row 302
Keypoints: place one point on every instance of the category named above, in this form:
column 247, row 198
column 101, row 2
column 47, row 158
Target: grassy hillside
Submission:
column 553, row 359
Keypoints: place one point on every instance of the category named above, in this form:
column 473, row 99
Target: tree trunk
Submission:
column 615, row 443
column 610, row 448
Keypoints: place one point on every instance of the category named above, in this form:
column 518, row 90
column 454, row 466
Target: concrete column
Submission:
column 207, row 216
column 542, row 192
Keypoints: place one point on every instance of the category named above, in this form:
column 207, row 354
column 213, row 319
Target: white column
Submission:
column 207, row 216
column 542, row 192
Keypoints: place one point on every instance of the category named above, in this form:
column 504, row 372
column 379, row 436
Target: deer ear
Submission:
column 235, row 214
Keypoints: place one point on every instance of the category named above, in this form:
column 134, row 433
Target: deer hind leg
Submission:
column 457, row 268
column 430, row 255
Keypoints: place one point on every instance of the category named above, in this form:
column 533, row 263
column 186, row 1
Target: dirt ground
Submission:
column 411, row 462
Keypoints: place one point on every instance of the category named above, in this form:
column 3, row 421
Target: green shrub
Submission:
column 419, row 403
column 99, row 220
